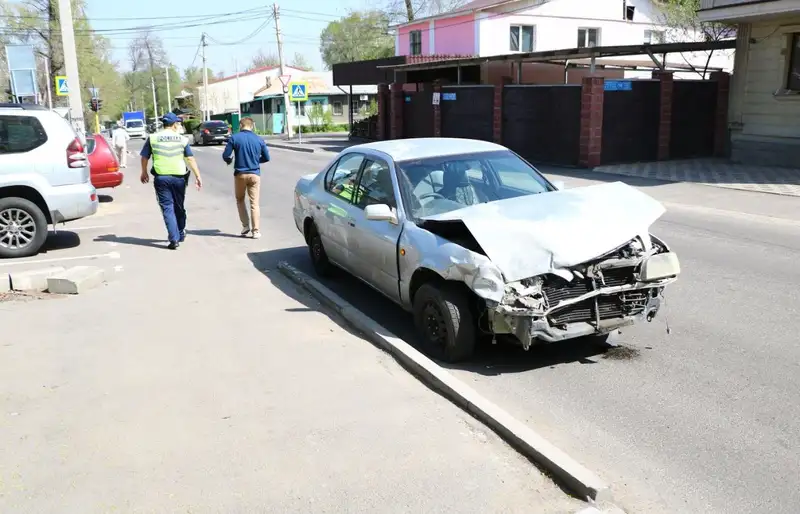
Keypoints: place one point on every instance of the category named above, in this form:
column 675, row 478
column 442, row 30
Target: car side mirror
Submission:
column 559, row 184
column 380, row 212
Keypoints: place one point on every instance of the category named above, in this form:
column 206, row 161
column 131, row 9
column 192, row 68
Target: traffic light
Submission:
column 93, row 104
column 99, row 104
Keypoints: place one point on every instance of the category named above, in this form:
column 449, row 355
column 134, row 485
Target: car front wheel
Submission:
column 23, row 228
column 319, row 259
column 445, row 322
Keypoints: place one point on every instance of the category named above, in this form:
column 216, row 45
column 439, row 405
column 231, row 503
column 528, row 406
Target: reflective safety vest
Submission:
column 168, row 148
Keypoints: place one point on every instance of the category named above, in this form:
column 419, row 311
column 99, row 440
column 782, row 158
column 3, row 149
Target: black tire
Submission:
column 13, row 206
column 319, row 259
column 445, row 322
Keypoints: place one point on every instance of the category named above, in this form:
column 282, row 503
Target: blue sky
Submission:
column 301, row 24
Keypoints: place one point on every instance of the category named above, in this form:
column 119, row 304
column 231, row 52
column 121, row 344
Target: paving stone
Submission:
column 5, row 283
column 76, row 280
column 715, row 172
column 33, row 280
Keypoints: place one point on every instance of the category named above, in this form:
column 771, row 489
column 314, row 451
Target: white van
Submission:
column 136, row 128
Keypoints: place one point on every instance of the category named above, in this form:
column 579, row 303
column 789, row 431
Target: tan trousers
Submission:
column 122, row 155
column 250, row 184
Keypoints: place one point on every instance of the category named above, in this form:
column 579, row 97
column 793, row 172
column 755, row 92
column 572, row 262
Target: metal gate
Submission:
column 694, row 106
column 418, row 114
column 543, row 123
column 630, row 122
column 467, row 112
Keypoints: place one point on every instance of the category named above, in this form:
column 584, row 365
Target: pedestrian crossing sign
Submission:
column 62, row 89
column 298, row 91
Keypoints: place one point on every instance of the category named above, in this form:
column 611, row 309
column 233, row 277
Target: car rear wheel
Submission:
column 445, row 322
column 319, row 259
column 23, row 227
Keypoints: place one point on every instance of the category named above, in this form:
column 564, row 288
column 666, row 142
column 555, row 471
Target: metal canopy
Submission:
column 574, row 53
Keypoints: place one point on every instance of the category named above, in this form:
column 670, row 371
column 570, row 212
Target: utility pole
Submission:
column 205, row 79
column 276, row 13
column 49, row 83
column 169, row 95
column 155, row 102
column 71, row 67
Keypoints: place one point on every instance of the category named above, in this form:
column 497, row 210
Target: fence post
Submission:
column 591, row 143
column 497, row 113
column 396, row 120
column 667, row 83
column 723, row 80
column 437, row 110
column 383, row 107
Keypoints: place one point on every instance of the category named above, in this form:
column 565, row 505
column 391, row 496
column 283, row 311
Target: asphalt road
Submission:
column 702, row 419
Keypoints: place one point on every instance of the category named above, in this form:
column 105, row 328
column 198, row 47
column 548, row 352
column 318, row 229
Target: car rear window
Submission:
column 90, row 144
column 216, row 124
column 20, row 134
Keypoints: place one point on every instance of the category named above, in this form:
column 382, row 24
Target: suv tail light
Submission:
column 76, row 157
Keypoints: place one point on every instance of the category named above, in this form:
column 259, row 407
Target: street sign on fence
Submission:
column 62, row 89
column 298, row 91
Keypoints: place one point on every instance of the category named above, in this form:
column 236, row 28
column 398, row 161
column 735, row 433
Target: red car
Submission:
column 103, row 164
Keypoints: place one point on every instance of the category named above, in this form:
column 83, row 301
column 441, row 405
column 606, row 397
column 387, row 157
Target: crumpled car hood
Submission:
column 536, row 234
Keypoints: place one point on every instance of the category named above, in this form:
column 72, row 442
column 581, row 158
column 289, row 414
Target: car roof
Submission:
column 425, row 147
column 24, row 107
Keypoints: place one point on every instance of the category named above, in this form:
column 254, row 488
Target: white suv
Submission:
column 44, row 177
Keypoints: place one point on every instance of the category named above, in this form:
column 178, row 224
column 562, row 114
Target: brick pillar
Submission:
column 437, row 111
column 396, row 96
column 665, row 119
column 591, row 143
column 497, row 115
column 723, row 81
column 383, row 111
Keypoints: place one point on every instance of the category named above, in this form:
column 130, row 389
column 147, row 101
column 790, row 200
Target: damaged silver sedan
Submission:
column 478, row 245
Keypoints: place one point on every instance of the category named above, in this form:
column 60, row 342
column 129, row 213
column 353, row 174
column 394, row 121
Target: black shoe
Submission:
column 173, row 246
column 183, row 237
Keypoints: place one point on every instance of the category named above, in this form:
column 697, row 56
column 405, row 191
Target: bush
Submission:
column 191, row 125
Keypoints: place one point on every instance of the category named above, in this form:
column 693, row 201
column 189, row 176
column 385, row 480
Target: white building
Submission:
column 764, row 104
column 495, row 27
column 225, row 94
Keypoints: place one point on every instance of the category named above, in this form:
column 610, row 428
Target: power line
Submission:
column 247, row 37
column 135, row 18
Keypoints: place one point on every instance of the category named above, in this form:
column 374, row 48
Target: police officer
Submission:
column 171, row 153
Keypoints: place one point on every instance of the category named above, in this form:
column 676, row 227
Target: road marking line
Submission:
column 110, row 255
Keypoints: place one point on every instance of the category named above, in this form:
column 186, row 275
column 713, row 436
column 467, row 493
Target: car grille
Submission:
column 611, row 306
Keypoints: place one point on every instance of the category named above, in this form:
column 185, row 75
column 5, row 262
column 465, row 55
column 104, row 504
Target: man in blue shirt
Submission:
column 171, row 153
column 249, row 152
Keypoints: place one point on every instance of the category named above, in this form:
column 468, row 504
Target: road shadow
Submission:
column 105, row 198
column 212, row 233
column 135, row 241
column 60, row 240
column 489, row 359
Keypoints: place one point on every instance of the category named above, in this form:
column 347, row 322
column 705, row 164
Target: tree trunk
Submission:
column 409, row 10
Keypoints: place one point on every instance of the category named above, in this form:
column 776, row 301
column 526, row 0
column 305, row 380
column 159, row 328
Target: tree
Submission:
column 262, row 60
column 193, row 75
column 680, row 16
column 148, row 59
column 401, row 11
column 299, row 61
column 359, row 36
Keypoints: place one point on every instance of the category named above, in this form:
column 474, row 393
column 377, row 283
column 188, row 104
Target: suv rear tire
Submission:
column 21, row 216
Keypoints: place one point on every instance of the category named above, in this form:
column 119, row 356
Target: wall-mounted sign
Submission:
column 436, row 98
column 617, row 85
column 448, row 96
column 408, row 99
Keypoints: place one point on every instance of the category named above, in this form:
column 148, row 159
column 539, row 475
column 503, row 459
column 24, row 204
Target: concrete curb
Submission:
column 294, row 147
column 577, row 478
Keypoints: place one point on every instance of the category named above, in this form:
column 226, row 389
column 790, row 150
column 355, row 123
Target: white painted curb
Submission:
column 580, row 480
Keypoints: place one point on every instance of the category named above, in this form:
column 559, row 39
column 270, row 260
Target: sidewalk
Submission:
column 196, row 383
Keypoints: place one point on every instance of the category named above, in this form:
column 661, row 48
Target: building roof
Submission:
column 427, row 147
column 475, row 5
column 253, row 72
column 320, row 83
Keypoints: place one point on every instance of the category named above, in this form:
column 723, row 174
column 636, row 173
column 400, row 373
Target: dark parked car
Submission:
column 212, row 132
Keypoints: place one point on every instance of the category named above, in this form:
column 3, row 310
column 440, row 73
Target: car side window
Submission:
column 20, row 134
column 341, row 181
column 375, row 186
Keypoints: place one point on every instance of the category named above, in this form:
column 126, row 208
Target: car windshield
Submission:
column 443, row 184
column 134, row 124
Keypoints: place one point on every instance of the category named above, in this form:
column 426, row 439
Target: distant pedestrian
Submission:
column 171, row 153
column 119, row 139
column 250, row 151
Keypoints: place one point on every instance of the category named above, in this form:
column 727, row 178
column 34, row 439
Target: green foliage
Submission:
column 315, row 114
column 191, row 125
column 360, row 35
column 372, row 110
column 299, row 61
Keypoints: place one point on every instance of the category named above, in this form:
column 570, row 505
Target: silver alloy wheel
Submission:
column 17, row 228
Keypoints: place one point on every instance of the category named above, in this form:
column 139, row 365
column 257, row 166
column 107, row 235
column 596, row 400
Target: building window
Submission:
column 522, row 38
column 415, row 42
column 793, row 78
column 654, row 37
column 588, row 38
column 337, row 109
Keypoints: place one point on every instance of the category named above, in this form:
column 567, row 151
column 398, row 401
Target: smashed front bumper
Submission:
column 549, row 309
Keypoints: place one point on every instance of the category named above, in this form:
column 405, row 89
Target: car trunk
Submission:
column 217, row 130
